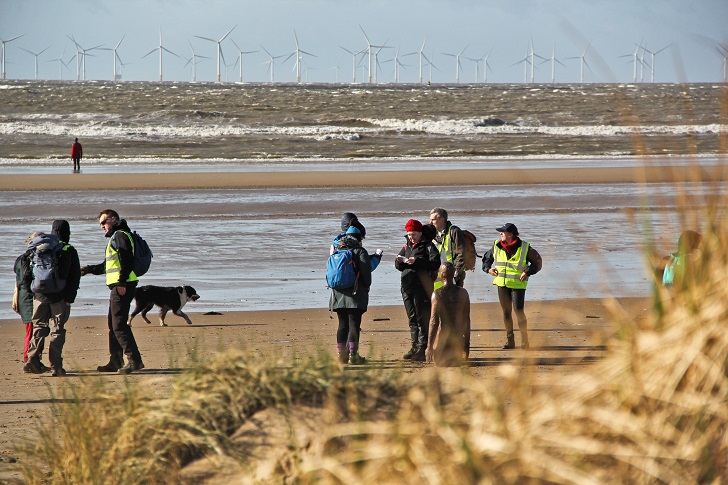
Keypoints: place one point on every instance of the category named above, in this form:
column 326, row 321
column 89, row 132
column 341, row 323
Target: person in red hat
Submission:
column 418, row 260
column 512, row 261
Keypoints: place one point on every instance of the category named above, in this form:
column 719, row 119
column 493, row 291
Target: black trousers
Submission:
column 513, row 299
column 417, row 306
column 349, row 326
column 121, row 338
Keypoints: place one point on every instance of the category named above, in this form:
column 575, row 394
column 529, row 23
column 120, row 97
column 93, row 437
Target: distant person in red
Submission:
column 76, row 154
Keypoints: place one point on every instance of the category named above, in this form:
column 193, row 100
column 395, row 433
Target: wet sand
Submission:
column 230, row 180
column 565, row 336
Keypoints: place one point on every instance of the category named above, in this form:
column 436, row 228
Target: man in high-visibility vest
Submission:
column 512, row 261
column 450, row 242
column 122, row 281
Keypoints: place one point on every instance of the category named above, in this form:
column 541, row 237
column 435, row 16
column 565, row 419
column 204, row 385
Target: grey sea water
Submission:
column 266, row 248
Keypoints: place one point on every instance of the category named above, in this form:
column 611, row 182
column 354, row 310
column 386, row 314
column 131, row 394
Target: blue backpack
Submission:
column 340, row 270
column 674, row 265
column 48, row 277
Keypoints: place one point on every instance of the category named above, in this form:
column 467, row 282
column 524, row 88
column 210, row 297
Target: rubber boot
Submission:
column 511, row 343
column 343, row 353
column 414, row 334
column 419, row 355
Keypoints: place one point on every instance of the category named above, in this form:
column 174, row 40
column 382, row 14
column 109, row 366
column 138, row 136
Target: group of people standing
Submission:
column 433, row 270
column 45, row 309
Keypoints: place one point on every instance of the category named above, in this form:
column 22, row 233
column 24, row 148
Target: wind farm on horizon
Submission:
column 371, row 62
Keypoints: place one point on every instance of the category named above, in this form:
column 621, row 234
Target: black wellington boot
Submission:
column 511, row 343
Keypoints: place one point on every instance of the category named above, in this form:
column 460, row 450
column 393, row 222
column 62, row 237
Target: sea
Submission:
column 258, row 249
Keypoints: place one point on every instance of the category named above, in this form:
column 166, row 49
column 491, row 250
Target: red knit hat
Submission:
column 413, row 225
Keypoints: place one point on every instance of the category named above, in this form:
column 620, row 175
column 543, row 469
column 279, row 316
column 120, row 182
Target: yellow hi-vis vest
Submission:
column 509, row 270
column 445, row 250
column 113, row 263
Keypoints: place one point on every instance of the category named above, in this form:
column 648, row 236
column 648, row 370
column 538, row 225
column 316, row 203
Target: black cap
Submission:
column 508, row 227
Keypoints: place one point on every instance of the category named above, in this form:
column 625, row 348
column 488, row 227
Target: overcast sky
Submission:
column 610, row 28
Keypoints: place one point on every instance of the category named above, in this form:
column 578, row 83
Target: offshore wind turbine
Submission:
column 160, row 48
column 723, row 52
column 6, row 41
column 398, row 64
column 219, row 48
column 241, row 52
column 422, row 55
column 193, row 60
column 554, row 60
column 271, row 63
column 458, row 67
column 81, row 54
column 635, row 61
column 61, row 64
column 369, row 52
column 353, row 63
column 582, row 63
column 35, row 55
column 486, row 66
column 298, row 53
column 533, row 61
column 652, row 61
column 525, row 62
column 115, row 56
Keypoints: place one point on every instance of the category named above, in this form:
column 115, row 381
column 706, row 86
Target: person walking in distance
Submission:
column 512, row 261
column 449, row 342
column 76, row 154
column 53, row 296
column 122, row 282
column 417, row 260
column 450, row 242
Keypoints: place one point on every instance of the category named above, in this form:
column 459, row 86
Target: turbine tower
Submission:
column 193, row 60
column 353, row 63
column 115, row 56
column 3, row 41
column 582, row 63
column 533, row 61
column 241, row 52
column 723, row 52
column 271, row 63
column 61, row 64
column 635, row 61
column 553, row 60
column 652, row 61
column 36, row 58
column 219, row 48
column 160, row 48
column 81, row 54
column 369, row 52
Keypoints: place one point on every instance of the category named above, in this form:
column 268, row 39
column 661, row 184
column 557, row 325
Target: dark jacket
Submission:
column 123, row 246
column 62, row 229
column 533, row 258
column 23, row 277
column 358, row 296
column 418, row 274
column 457, row 242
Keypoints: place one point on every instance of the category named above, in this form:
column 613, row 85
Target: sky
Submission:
column 684, row 34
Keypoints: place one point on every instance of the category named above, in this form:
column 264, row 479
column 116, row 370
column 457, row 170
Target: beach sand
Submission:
column 565, row 336
column 231, row 180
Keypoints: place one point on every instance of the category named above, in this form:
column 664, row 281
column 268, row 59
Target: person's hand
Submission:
column 84, row 270
column 524, row 276
column 410, row 260
column 493, row 272
column 121, row 290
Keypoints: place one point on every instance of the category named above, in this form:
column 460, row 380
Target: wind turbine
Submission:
column 115, row 57
column 533, row 61
column 553, row 60
column 353, row 62
column 298, row 53
column 241, row 52
column 36, row 58
column 431, row 65
column 219, row 48
column 635, row 60
column 81, row 54
column 193, row 60
column 3, row 41
column 486, row 66
column 61, row 64
column 652, row 61
column 271, row 63
column 422, row 55
column 458, row 67
column 160, row 48
column 369, row 52
column 583, row 63
column 525, row 62
column 398, row 64
column 723, row 51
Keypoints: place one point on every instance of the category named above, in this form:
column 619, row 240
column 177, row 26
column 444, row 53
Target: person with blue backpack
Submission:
column 349, row 276
column 122, row 282
column 56, row 274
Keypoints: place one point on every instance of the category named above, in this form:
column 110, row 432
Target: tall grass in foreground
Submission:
column 655, row 410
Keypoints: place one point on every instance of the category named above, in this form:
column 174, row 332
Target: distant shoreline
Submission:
column 232, row 180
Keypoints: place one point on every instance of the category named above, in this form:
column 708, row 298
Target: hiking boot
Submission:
column 110, row 367
column 131, row 367
column 58, row 372
column 419, row 355
column 44, row 367
column 343, row 357
column 34, row 367
column 356, row 359
column 410, row 353
column 511, row 343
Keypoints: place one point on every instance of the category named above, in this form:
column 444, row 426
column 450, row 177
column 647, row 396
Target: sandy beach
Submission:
column 231, row 180
column 565, row 336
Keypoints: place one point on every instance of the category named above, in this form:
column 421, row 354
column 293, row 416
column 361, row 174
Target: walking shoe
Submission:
column 419, row 356
column 356, row 359
column 343, row 357
column 511, row 343
column 107, row 368
column 58, row 372
column 34, row 367
column 131, row 367
column 410, row 353
column 44, row 367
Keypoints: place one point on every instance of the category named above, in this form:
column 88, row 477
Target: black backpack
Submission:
column 142, row 255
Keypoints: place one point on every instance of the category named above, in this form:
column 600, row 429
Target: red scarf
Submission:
column 509, row 248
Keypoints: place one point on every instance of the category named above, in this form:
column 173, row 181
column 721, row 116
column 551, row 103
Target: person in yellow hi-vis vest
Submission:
column 450, row 242
column 512, row 261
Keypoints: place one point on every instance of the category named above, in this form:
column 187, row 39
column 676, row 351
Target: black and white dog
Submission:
column 166, row 298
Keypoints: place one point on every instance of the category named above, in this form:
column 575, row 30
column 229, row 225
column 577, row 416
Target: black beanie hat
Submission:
column 61, row 229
